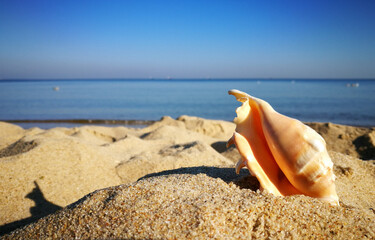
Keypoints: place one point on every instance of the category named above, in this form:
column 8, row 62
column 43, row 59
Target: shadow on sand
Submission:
column 243, row 180
column 42, row 208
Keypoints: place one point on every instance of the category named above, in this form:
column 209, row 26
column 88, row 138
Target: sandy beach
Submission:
column 174, row 179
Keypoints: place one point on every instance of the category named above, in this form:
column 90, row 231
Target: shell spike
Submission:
column 230, row 142
column 240, row 164
column 255, row 102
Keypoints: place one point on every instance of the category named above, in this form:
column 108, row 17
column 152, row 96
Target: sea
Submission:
column 69, row 103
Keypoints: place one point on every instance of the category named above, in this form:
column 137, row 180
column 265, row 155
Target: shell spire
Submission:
column 285, row 155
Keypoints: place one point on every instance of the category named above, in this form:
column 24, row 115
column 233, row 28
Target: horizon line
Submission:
column 184, row 78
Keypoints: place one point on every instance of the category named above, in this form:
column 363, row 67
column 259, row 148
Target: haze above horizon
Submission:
column 186, row 39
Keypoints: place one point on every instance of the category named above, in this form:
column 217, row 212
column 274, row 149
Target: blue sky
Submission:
column 187, row 39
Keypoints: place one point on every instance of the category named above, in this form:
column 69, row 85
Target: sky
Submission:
column 44, row 39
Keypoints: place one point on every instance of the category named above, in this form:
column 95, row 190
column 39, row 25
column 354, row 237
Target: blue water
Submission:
column 306, row 100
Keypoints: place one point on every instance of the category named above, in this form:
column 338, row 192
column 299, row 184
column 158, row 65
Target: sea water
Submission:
column 350, row 102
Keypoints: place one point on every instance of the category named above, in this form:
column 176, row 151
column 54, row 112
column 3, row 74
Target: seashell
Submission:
column 286, row 156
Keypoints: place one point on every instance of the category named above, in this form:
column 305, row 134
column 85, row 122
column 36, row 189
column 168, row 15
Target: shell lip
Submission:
column 238, row 94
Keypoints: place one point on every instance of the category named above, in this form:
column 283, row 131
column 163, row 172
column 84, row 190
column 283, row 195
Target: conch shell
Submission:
column 286, row 156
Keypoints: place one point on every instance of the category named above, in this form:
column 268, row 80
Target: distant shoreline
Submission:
column 52, row 123
column 179, row 79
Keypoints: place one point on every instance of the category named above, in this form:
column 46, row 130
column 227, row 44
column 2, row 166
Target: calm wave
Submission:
column 306, row 100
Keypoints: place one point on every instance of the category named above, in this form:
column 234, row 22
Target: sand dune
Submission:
column 43, row 170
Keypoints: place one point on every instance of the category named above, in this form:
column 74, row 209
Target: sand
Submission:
column 354, row 141
column 173, row 179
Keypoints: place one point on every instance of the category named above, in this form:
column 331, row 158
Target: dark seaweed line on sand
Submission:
column 86, row 121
